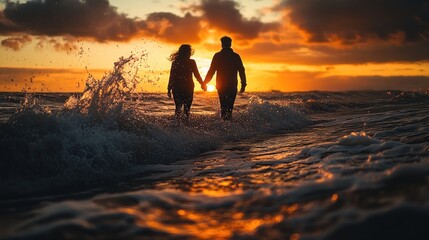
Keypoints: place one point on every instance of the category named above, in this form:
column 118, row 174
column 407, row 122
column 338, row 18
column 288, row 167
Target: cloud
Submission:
column 95, row 19
column 298, row 53
column 16, row 43
column 66, row 44
column 355, row 21
column 348, row 32
column 225, row 15
column 6, row 25
column 173, row 28
column 98, row 20
column 367, row 30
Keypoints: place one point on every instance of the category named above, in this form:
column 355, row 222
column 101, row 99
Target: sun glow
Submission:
column 210, row 88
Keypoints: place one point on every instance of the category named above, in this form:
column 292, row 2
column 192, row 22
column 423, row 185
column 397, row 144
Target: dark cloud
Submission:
column 94, row 19
column 353, row 21
column 225, row 15
column 370, row 31
column 16, row 43
column 173, row 28
column 7, row 26
column 295, row 53
column 98, row 20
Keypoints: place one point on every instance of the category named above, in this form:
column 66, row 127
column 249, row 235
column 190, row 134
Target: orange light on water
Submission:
column 334, row 197
column 295, row 236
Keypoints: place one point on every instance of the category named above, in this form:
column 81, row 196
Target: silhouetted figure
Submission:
column 226, row 63
column 181, row 82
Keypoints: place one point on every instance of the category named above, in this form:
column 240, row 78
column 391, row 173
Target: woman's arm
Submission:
column 196, row 72
column 172, row 78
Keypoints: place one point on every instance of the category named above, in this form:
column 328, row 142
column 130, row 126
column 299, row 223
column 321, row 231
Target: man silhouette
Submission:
column 226, row 63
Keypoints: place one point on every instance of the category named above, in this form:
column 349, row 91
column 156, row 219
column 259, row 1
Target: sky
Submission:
column 286, row 45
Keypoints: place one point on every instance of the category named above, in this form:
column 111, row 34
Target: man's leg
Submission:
column 230, row 103
column 223, row 103
column 227, row 99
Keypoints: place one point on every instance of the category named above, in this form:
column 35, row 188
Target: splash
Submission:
column 30, row 108
column 105, row 99
column 31, row 103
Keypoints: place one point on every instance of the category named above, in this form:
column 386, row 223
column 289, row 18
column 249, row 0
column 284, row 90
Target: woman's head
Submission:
column 185, row 52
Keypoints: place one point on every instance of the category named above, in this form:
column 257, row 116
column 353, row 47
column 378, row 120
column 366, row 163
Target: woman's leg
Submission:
column 187, row 102
column 178, row 101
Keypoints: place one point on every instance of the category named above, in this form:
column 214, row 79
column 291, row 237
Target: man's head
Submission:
column 226, row 42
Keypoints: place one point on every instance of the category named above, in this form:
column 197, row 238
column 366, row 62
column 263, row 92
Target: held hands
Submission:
column 204, row 86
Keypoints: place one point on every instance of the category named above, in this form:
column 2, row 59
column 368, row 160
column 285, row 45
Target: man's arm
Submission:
column 212, row 70
column 242, row 74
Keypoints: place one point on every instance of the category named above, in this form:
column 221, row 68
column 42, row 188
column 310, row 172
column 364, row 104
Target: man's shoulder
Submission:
column 227, row 52
column 235, row 55
column 217, row 55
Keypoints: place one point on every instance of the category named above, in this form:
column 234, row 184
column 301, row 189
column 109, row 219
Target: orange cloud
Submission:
column 16, row 43
column 67, row 44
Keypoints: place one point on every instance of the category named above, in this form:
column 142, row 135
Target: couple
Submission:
column 226, row 63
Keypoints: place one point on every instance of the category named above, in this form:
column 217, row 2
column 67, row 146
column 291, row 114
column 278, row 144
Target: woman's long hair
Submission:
column 185, row 52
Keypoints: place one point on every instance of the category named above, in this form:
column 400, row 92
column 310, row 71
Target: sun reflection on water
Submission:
column 217, row 207
column 201, row 225
column 212, row 212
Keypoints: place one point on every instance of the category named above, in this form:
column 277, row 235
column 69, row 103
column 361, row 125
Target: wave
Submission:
column 100, row 138
column 344, row 206
column 411, row 97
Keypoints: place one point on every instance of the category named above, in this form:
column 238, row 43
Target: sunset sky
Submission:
column 287, row 45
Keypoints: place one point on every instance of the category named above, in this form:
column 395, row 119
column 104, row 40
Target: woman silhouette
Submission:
column 181, row 82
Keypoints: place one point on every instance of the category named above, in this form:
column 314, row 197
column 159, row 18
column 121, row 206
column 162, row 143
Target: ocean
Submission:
column 111, row 164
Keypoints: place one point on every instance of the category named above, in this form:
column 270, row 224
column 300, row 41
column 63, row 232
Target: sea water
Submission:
column 110, row 163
